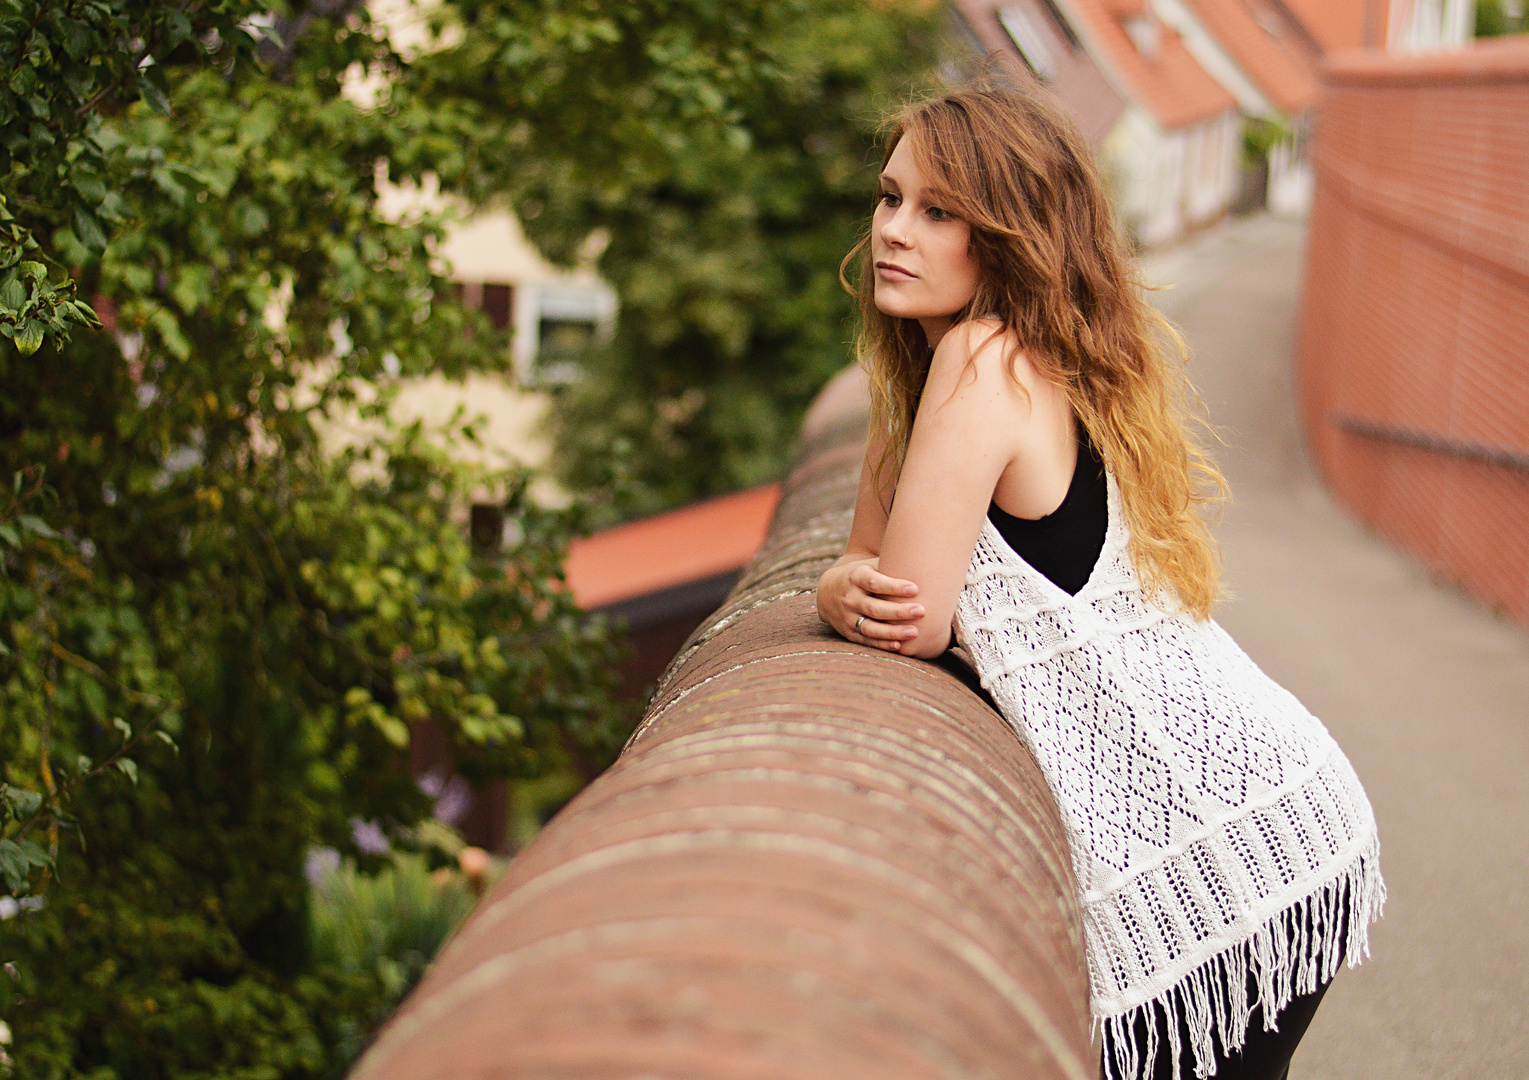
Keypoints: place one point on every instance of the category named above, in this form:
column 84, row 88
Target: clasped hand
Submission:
column 866, row 606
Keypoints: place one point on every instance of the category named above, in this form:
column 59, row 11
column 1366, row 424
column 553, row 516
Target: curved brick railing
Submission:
column 814, row 861
column 1412, row 368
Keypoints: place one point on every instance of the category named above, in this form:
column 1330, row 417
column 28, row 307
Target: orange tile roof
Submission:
column 1085, row 92
column 690, row 544
column 1336, row 24
column 1271, row 51
column 1171, row 85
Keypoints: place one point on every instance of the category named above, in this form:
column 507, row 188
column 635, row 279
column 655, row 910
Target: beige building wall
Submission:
column 549, row 311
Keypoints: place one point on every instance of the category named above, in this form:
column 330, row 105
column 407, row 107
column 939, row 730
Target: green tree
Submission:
column 215, row 633
column 724, row 239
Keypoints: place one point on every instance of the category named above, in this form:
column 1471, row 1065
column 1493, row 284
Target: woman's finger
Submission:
column 876, row 632
column 874, row 581
column 888, row 611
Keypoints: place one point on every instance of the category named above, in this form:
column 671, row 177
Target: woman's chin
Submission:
column 896, row 307
column 895, row 310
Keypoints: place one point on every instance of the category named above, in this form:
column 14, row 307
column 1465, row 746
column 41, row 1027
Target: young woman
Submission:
column 1031, row 490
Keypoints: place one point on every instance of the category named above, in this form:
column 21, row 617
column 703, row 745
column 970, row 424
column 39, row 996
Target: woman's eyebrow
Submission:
column 885, row 179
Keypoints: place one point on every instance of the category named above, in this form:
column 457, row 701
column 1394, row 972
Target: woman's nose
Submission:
column 893, row 233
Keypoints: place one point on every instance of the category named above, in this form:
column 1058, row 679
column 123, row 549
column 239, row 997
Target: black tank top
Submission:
column 1065, row 544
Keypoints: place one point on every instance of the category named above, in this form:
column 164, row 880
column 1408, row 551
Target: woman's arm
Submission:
column 983, row 408
column 853, row 586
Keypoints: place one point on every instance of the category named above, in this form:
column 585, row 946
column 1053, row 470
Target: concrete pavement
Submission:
column 1425, row 689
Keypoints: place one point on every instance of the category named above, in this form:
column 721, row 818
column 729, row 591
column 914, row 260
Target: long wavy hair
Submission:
column 1054, row 272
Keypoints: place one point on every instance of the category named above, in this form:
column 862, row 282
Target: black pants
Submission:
column 1265, row 1056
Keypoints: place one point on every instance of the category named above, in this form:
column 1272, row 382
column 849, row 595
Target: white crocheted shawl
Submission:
column 1220, row 838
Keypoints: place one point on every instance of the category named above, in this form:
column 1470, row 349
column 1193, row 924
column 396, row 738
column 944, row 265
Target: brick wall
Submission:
column 1413, row 359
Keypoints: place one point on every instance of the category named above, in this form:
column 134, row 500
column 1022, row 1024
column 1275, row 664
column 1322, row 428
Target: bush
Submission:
column 214, row 635
column 380, row 931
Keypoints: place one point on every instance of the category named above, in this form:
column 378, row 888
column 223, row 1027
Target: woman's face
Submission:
column 924, row 265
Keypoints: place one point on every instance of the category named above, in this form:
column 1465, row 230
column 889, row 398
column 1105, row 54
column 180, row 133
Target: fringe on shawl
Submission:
column 1293, row 953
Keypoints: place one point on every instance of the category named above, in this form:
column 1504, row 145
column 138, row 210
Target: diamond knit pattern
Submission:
column 1218, row 834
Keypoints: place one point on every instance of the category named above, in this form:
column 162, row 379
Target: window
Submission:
column 1062, row 25
column 1030, row 40
column 498, row 302
column 1146, row 34
column 563, row 342
column 556, row 326
column 485, row 528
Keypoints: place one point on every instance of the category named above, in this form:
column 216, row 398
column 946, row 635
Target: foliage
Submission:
column 724, row 239
column 381, row 930
column 215, row 628
column 1259, row 136
column 1494, row 19
column 66, row 64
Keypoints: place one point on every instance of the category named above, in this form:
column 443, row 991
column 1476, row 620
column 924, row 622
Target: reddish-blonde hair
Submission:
column 1054, row 272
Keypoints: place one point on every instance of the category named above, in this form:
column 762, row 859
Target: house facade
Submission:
column 1167, row 134
column 550, row 312
column 1269, row 62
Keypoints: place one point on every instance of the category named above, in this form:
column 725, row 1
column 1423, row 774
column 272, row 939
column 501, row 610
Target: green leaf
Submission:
column 252, row 219
column 177, row 29
column 164, row 737
column 128, row 768
column 13, row 294
column 94, row 696
column 30, row 337
column 90, row 189
column 15, row 867
column 88, row 229
column 393, row 729
column 34, row 524
column 112, row 207
column 35, row 854
column 17, row 861
column 24, row 803
column 122, row 726
column 153, row 95
column 77, row 38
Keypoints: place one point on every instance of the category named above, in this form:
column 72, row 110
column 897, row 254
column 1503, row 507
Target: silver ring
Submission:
column 858, row 622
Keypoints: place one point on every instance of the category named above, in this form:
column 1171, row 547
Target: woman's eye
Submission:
column 889, row 198
column 939, row 213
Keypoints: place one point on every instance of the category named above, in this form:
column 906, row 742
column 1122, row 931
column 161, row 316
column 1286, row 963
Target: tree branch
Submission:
column 289, row 30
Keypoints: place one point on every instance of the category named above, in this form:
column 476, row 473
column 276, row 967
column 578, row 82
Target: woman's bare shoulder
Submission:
column 981, row 351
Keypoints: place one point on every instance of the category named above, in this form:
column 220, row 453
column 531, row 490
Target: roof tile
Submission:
column 1269, row 49
column 1170, row 84
column 661, row 552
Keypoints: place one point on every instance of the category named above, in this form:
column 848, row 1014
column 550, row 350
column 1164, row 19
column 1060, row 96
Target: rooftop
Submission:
column 1338, row 24
column 1267, row 45
column 687, row 545
column 1149, row 61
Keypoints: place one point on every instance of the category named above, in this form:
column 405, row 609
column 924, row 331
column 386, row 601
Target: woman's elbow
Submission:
column 927, row 645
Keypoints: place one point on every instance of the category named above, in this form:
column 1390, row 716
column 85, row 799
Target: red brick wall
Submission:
column 1413, row 360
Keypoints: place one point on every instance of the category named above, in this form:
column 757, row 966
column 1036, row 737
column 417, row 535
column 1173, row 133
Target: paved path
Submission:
column 1427, row 691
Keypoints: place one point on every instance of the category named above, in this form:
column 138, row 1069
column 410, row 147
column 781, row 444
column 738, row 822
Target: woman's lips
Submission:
column 892, row 272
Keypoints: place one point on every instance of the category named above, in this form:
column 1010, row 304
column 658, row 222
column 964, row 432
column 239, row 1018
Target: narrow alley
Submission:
column 1426, row 690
